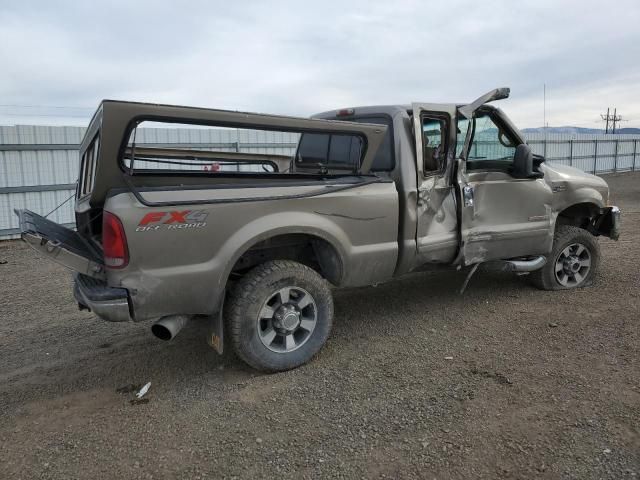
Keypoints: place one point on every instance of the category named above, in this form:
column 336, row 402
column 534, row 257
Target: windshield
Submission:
column 491, row 146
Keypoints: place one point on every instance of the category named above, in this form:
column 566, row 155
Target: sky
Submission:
column 59, row 58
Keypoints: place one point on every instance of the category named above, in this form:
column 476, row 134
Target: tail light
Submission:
column 114, row 242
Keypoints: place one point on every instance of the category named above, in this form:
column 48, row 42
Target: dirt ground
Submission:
column 415, row 382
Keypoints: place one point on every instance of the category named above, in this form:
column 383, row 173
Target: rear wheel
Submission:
column 279, row 315
column 572, row 263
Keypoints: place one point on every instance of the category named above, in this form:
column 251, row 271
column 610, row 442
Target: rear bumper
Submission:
column 108, row 303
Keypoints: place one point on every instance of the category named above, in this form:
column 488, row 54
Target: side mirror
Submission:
column 523, row 163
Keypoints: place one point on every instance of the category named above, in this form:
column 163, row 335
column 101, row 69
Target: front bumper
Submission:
column 608, row 223
column 108, row 303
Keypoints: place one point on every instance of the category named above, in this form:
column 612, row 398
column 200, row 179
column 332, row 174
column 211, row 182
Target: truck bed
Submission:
column 193, row 236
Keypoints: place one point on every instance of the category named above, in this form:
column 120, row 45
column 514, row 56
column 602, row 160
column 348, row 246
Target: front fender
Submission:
column 567, row 197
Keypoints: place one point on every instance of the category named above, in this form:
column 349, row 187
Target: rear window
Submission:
column 344, row 150
column 331, row 150
column 313, row 148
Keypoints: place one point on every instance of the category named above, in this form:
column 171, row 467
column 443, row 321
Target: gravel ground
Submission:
column 415, row 382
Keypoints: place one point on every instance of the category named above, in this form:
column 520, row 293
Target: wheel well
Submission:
column 578, row 215
column 310, row 250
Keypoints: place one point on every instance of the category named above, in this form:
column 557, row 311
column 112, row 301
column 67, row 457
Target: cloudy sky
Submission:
column 59, row 59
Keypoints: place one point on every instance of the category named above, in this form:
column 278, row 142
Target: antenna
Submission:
column 544, row 114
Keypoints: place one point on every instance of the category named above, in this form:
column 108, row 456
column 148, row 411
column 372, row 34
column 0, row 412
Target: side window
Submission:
column 491, row 148
column 433, row 143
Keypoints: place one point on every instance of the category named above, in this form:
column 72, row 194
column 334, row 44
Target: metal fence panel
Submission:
column 591, row 153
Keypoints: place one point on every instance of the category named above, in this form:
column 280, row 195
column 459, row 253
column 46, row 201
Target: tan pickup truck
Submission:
column 253, row 243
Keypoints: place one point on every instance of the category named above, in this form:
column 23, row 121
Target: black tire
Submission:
column 565, row 236
column 251, row 294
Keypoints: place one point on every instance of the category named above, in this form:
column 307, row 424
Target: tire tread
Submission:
column 245, row 292
column 544, row 279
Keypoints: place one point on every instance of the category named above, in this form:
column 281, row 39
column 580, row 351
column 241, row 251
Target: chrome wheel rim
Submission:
column 573, row 265
column 287, row 319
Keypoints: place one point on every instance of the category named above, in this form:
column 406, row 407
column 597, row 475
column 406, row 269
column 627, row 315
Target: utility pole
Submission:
column 614, row 119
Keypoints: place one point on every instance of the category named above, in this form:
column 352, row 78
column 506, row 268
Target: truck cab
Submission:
column 473, row 191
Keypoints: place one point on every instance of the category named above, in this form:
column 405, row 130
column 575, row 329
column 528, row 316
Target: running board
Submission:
column 517, row 266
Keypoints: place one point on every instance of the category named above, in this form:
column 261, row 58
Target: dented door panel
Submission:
column 437, row 220
column 437, row 238
column 507, row 218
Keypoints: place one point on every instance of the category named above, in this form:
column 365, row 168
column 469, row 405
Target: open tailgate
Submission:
column 61, row 244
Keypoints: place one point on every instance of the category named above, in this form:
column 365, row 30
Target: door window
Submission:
column 433, row 143
column 491, row 147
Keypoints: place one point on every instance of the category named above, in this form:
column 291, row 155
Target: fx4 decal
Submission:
column 173, row 220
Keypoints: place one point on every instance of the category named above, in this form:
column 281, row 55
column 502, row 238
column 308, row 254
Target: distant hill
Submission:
column 580, row 130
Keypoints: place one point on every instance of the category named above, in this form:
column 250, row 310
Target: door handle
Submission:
column 467, row 194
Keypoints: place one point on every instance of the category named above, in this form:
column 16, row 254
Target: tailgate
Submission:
column 60, row 244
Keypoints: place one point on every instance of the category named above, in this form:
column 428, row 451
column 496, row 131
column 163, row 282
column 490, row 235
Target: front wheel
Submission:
column 279, row 315
column 572, row 263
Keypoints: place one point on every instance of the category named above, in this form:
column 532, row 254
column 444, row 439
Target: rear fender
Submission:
column 274, row 225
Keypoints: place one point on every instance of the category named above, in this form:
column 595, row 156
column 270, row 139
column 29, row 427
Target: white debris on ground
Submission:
column 143, row 390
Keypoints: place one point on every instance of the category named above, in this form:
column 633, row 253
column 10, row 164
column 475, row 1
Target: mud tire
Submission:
column 565, row 235
column 247, row 299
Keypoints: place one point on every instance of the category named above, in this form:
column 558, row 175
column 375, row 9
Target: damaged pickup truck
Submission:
column 252, row 242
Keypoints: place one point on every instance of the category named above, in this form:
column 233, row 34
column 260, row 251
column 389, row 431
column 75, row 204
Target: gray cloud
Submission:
column 299, row 58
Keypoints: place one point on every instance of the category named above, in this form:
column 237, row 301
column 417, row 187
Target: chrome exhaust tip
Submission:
column 168, row 327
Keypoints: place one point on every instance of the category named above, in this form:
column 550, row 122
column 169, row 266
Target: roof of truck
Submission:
column 390, row 110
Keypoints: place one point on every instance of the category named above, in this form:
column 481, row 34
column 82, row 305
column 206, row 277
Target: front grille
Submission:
column 88, row 168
